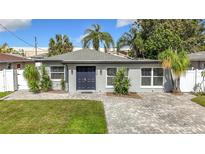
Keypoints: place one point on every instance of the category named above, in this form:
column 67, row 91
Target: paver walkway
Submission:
column 155, row 113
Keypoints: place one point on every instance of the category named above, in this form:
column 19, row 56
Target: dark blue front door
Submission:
column 86, row 78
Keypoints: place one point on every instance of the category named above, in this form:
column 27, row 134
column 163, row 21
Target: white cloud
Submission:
column 14, row 24
column 124, row 22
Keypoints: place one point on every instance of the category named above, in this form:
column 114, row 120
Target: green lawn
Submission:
column 2, row 94
column 200, row 100
column 52, row 117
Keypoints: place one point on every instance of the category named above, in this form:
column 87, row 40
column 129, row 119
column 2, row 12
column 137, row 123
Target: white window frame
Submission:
column 109, row 86
column 57, row 72
column 152, row 78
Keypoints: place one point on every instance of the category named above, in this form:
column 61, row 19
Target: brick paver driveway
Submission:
column 155, row 113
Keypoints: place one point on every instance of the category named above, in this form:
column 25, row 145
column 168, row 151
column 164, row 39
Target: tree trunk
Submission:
column 172, row 79
column 177, row 85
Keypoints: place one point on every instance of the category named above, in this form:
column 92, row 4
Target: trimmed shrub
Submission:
column 34, row 86
column 121, row 82
column 45, row 82
column 33, row 78
column 62, row 84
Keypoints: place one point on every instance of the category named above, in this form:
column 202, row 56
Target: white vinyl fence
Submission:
column 21, row 81
column 192, row 81
column 11, row 80
column 7, row 80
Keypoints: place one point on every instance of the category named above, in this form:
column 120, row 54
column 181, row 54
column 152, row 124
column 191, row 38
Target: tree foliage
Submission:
column 4, row 48
column 37, row 81
column 95, row 37
column 155, row 36
column 59, row 45
column 133, row 40
column 177, row 62
column 45, row 82
column 62, row 84
column 33, row 78
column 160, row 40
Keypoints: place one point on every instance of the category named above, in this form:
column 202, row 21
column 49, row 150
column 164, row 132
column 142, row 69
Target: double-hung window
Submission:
column 146, row 76
column 57, row 72
column 158, row 76
column 152, row 77
column 111, row 73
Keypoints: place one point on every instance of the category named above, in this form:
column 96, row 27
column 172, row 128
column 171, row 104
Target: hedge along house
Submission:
column 94, row 71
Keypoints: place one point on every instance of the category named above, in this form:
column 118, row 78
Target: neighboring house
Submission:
column 10, row 61
column 197, row 60
column 89, row 70
column 11, row 72
column 30, row 52
column 40, row 56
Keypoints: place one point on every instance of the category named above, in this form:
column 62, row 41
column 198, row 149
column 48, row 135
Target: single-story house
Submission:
column 10, row 61
column 89, row 70
column 197, row 60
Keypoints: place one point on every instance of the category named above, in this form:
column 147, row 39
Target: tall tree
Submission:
column 59, row 45
column 183, row 33
column 95, row 37
column 133, row 40
column 159, row 35
column 160, row 40
column 177, row 62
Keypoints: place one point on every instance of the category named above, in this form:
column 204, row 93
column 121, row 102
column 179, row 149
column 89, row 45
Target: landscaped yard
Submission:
column 52, row 116
column 2, row 94
column 200, row 100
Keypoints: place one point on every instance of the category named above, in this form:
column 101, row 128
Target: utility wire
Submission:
column 13, row 34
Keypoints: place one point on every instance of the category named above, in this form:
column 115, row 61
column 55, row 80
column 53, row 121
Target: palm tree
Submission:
column 59, row 45
column 177, row 63
column 133, row 40
column 96, row 37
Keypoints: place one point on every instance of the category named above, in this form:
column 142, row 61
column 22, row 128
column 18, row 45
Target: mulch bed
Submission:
column 57, row 91
column 129, row 95
column 177, row 93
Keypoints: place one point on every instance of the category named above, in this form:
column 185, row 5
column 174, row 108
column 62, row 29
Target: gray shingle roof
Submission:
column 197, row 56
column 92, row 56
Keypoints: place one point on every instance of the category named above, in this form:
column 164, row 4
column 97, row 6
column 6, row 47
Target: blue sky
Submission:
column 45, row 29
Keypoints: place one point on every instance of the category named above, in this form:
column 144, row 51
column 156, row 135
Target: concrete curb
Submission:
column 5, row 97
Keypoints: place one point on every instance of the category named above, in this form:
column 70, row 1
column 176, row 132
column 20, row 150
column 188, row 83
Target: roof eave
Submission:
column 16, row 61
column 47, row 60
column 110, row 62
column 99, row 61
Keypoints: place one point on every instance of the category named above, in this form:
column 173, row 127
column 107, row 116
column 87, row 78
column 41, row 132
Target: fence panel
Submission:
column 7, row 80
column 21, row 81
column 192, row 81
column 2, row 81
column 187, row 81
